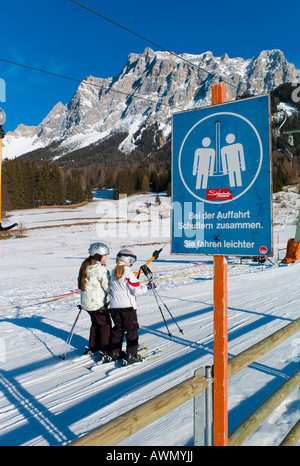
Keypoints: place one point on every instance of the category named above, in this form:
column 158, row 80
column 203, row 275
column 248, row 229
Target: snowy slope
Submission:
column 47, row 401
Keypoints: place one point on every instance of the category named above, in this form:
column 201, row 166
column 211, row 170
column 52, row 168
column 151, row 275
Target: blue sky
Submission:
column 61, row 37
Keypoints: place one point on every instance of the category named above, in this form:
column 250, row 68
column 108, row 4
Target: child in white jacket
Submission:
column 124, row 289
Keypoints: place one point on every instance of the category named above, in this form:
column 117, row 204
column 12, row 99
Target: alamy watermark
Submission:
column 296, row 350
column 2, row 350
column 296, row 92
column 123, row 219
column 2, row 90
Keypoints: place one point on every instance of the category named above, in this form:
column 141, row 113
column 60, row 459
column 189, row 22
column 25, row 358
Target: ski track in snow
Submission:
column 49, row 401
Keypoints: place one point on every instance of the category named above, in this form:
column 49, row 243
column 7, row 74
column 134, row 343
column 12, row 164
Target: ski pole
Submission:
column 166, row 325
column 68, row 341
column 175, row 321
column 147, row 272
column 149, row 276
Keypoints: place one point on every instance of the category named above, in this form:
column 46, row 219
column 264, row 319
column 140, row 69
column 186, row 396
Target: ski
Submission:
column 102, row 363
column 81, row 359
column 120, row 363
column 148, row 357
column 86, row 356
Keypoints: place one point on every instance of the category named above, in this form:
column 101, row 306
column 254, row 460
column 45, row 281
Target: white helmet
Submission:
column 98, row 248
column 126, row 256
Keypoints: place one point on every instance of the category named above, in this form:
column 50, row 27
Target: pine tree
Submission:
column 169, row 189
column 74, row 191
column 88, row 192
column 57, row 188
column 139, row 174
column 124, row 183
column 46, row 190
column 32, row 184
column 145, row 184
column 70, row 189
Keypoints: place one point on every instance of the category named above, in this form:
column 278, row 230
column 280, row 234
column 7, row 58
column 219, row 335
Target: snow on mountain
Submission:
column 22, row 140
column 287, row 108
column 149, row 88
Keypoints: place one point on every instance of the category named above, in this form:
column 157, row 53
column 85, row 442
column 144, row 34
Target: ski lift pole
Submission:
column 2, row 134
column 220, row 395
column 155, row 256
column 68, row 341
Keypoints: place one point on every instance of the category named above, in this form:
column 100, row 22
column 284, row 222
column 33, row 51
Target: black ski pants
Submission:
column 125, row 323
column 100, row 331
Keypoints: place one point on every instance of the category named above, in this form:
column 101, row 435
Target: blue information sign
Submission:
column 221, row 179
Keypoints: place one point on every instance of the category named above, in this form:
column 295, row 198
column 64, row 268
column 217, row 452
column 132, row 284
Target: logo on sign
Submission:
column 263, row 250
column 218, row 194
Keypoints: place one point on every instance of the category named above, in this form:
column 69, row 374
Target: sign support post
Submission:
column 220, row 416
column 221, row 155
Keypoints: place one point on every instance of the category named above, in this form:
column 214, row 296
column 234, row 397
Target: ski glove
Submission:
column 151, row 286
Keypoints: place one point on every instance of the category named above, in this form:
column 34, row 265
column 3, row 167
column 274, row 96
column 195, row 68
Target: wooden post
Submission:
column 220, row 415
column 218, row 93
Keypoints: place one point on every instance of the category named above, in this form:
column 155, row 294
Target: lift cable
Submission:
column 136, row 96
column 156, row 45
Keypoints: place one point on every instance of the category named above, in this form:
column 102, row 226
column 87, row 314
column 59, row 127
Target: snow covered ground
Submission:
column 49, row 401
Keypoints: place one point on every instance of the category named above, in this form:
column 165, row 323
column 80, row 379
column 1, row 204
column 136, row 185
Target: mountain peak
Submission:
column 150, row 87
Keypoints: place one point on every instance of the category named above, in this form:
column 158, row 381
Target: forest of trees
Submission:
column 129, row 181
column 25, row 184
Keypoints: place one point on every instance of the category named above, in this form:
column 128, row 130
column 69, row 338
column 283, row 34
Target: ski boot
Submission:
column 132, row 358
column 87, row 351
column 106, row 358
column 118, row 356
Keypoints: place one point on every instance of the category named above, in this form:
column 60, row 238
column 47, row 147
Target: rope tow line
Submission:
column 74, row 293
column 42, row 300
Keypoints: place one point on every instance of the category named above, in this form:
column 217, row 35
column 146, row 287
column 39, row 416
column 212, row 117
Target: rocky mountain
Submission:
column 133, row 110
